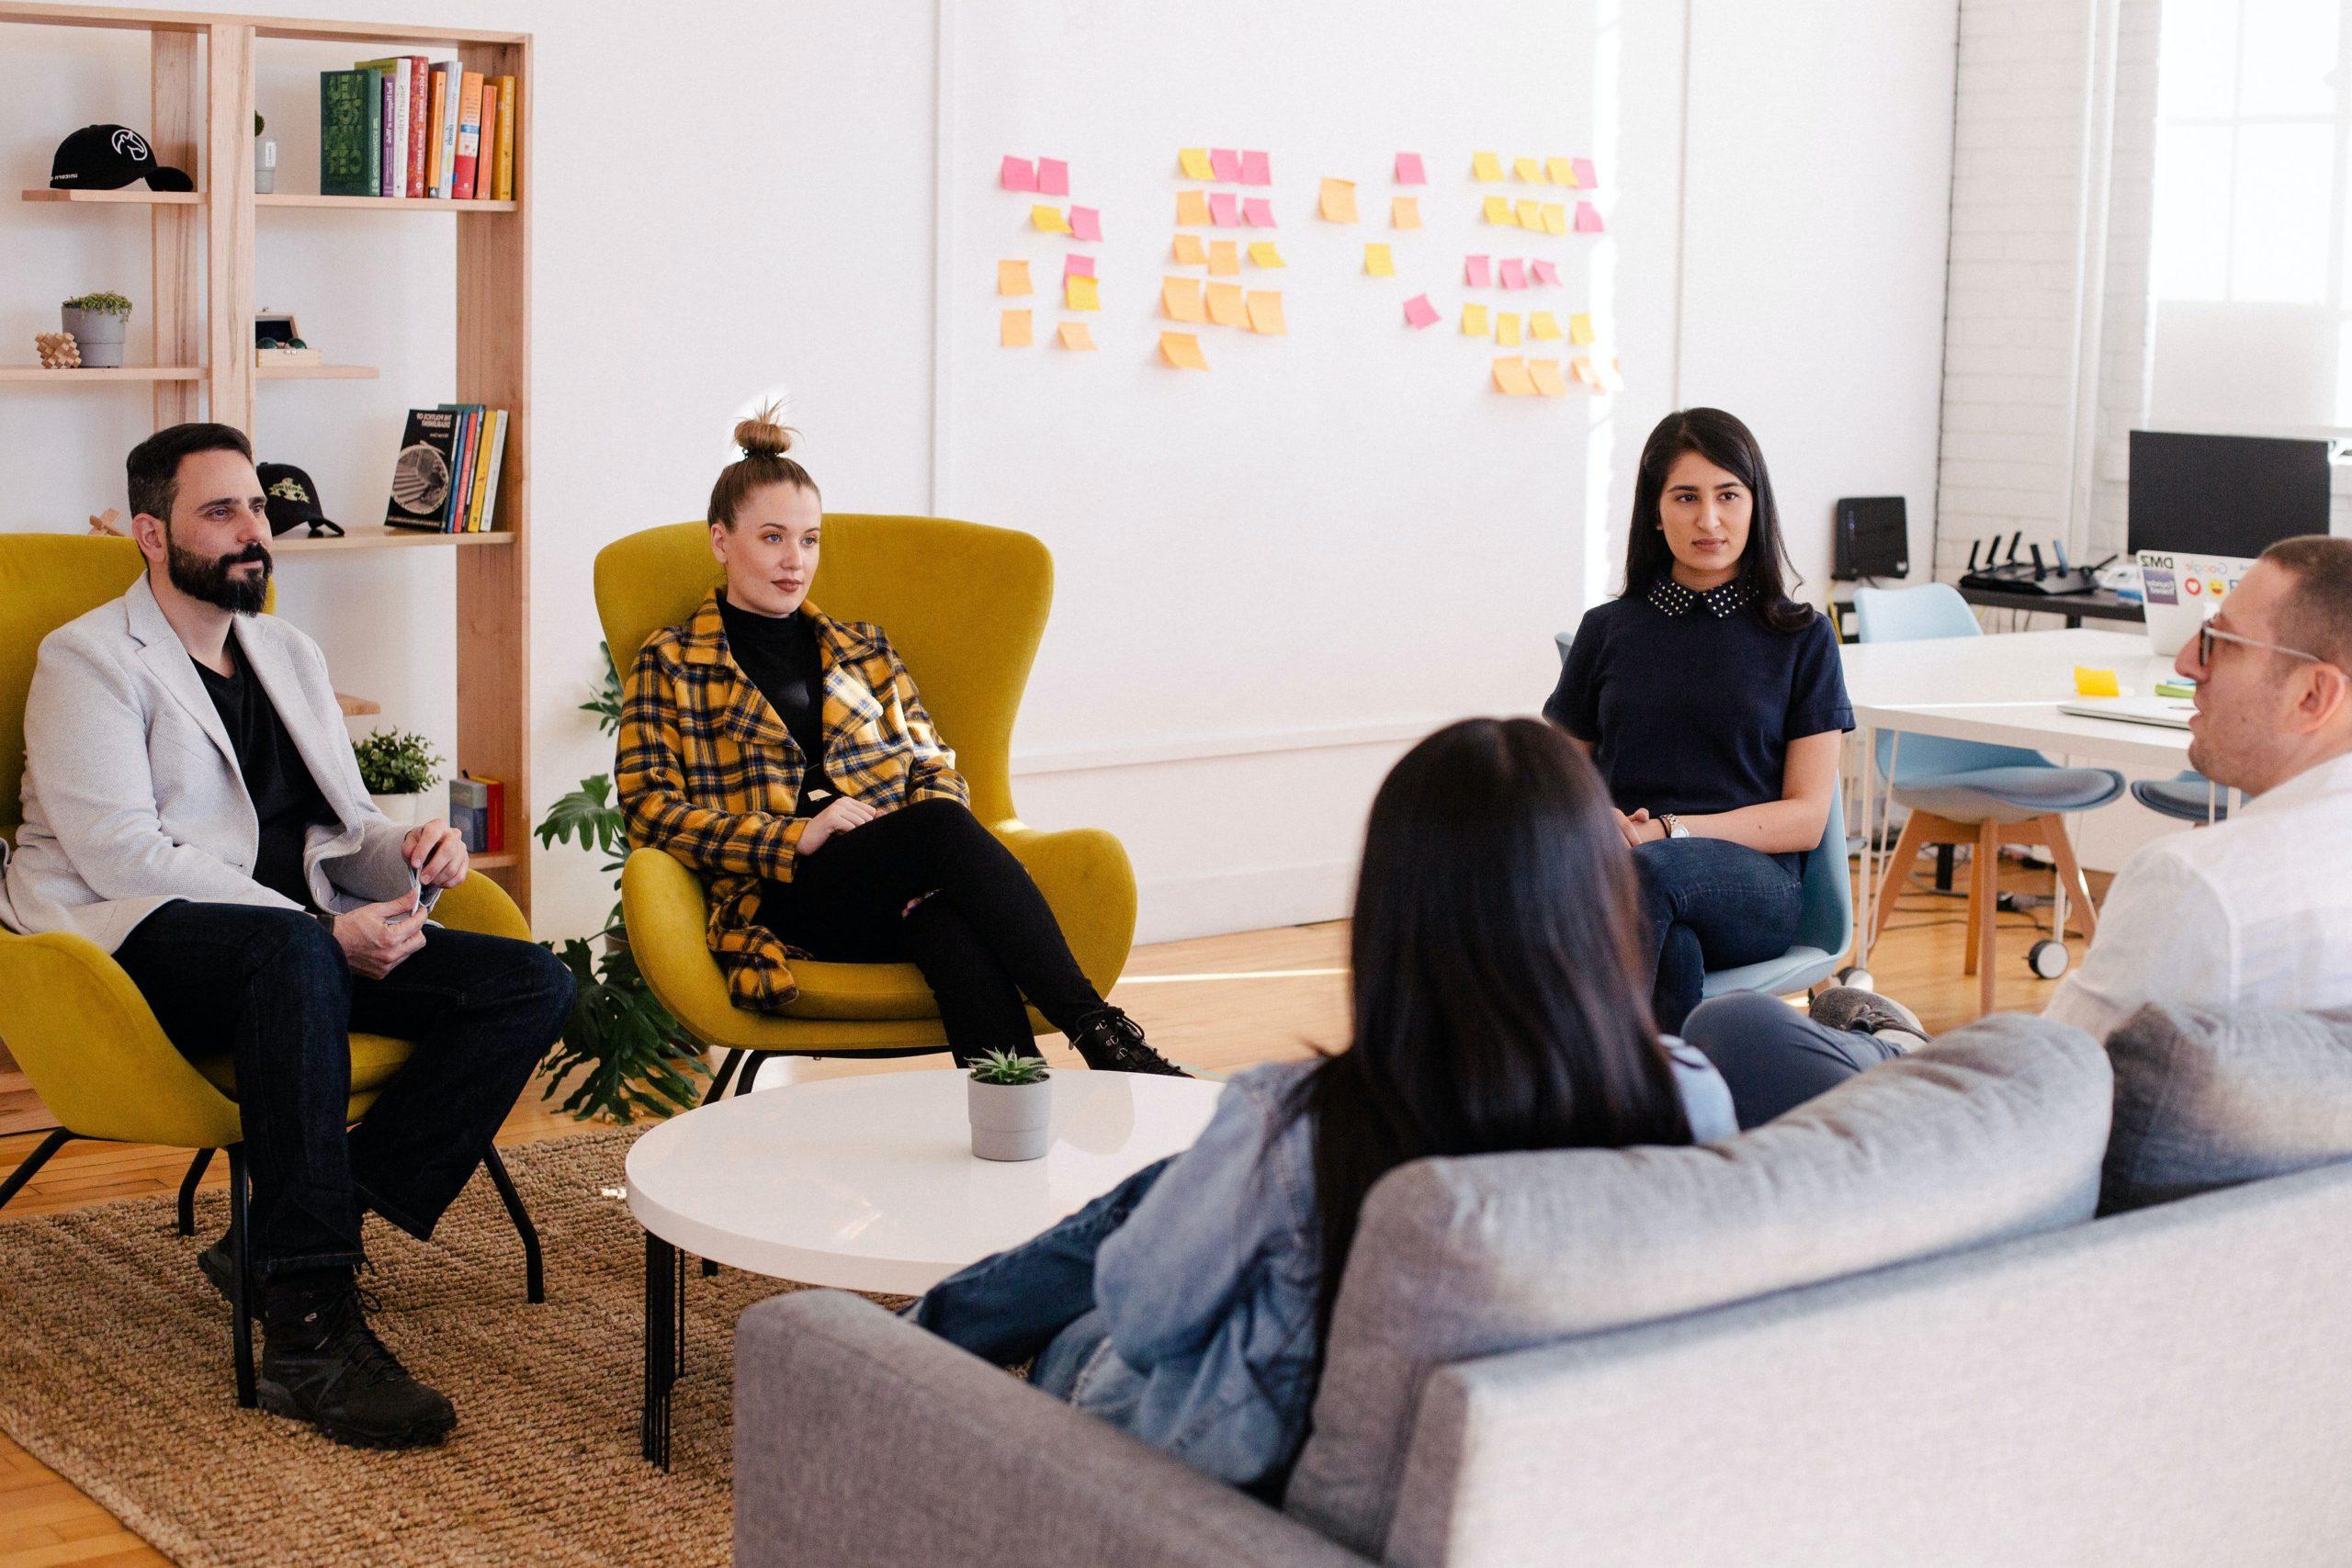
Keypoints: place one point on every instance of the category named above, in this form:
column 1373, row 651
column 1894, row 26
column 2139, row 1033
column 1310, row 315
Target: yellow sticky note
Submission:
column 1196, row 161
column 1563, row 172
column 1555, row 217
column 1225, row 257
column 1262, row 253
column 1545, row 374
column 1378, row 262
column 1530, row 214
column 1266, row 313
column 1498, row 209
column 1225, row 305
column 1506, row 327
column 2090, row 683
column 1183, row 350
column 1180, row 297
column 1191, row 209
column 1189, row 251
column 1078, row 294
column 1405, row 212
column 1339, row 200
column 1580, row 328
column 1527, row 169
column 1486, row 166
column 1542, row 325
column 1052, row 220
column 1012, row 332
column 1473, row 322
column 1511, row 377
column 1012, row 277
column 1076, row 335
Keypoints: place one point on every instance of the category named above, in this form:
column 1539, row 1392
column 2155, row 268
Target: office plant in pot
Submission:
column 397, row 767
column 98, row 322
column 1010, row 1101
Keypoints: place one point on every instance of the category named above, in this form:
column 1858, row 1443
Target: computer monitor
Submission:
column 2224, row 495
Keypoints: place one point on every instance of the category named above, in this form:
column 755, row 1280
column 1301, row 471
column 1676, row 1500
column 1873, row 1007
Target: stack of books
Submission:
column 408, row 127
column 445, row 478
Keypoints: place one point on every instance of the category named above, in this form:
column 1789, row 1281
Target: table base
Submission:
column 665, row 1344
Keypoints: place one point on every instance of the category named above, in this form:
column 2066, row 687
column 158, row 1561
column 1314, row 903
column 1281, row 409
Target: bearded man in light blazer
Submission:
column 192, row 806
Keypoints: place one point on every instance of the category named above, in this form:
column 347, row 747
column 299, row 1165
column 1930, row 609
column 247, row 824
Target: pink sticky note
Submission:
column 1258, row 211
column 1418, row 312
column 1086, row 224
column 1225, row 163
column 1475, row 272
column 1225, row 209
column 1053, row 177
column 1586, row 178
column 1257, row 169
column 1513, row 272
column 1410, row 172
column 1587, row 219
column 1019, row 173
column 1077, row 266
column 1545, row 272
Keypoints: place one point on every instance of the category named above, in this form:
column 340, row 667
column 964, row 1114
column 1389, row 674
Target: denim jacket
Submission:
column 1209, row 1289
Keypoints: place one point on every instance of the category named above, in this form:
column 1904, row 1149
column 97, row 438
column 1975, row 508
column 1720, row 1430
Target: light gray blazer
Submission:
column 133, row 796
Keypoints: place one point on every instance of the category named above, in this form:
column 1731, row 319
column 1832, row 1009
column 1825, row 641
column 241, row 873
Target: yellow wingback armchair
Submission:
column 76, row 1025
column 965, row 605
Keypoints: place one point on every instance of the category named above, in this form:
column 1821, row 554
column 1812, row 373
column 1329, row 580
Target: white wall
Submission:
column 771, row 226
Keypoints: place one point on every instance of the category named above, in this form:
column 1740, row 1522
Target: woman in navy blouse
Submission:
column 1713, row 706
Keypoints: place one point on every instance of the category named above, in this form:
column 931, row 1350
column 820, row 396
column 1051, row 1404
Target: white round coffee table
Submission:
column 869, row 1183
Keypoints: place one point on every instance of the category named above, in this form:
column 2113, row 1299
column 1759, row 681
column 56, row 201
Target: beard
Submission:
column 213, row 582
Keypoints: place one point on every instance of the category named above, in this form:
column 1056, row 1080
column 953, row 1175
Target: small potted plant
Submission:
column 98, row 322
column 397, row 768
column 265, row 157
column 1010, row 1098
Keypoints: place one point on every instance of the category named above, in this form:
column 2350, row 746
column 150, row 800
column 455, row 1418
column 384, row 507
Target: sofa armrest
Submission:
column 861, row 1439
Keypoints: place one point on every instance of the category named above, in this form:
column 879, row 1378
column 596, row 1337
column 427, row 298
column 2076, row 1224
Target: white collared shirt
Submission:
column 2256, row 911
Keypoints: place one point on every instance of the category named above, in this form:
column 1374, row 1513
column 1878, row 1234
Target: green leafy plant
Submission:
column 101, row 304
column 623, row 1053
column 1010, row 1068
column 397, row 762
column 259, row 124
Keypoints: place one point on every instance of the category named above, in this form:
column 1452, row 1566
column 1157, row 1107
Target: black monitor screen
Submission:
column 2224, row 495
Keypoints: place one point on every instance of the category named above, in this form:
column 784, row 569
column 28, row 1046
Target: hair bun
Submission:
column 762, row 436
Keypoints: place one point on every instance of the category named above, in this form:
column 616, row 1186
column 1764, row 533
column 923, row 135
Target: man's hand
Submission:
column 840, row 816
column 377, row 937
column 437, row 852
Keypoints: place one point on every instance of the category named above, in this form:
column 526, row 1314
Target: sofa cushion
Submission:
column 1995, row 1129
column 2206, row 1098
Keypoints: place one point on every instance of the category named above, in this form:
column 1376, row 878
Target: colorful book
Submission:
column 485, row 438
column 423, row 475
column 420, row 101
column 395, row 71
column 433, row 131
column 461, row 462
column 385, row 169
column 507, row 108
column 496, row 836
column 486, row 171
column 470, row 813
column 461, row 183
column 497, row 462
column 348, row 109
column 452, row 79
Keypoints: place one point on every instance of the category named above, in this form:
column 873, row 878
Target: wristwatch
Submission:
column 1674, row 828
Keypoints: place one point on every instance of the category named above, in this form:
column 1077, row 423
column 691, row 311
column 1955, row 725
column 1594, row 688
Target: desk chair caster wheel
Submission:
column 2049, row 959
column 1854, row 974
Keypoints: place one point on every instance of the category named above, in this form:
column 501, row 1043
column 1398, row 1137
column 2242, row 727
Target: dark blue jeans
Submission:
column 271, row 989
column 1775, row 1058
column 1711, row 904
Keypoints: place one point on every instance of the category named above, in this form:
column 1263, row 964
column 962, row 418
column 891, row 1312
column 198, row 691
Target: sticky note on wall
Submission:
column 1563, row 172
column 1473, row 322
column 1507, row 329
column 1263, row 253
column 1012, row 330
column 1183, row 350
column 1586, row 178
column 1405, row 212
column 1511, row 272
column 1527, row 169
column 1530, row 214
column 1486, row 166
column 1258, row 213
column 1225, row 209
column 1478, row 272
column 1542, row 325
column 1409, row 171
column 1496, row 210
column 1079, row 294
column 1257, row 169
column 1545, row 374
column 1195, row 161
column 1012, row 277
column 1378, row 262
column 1339, row 200
column 1225, row 308
column 1078, row 264
column 1266, row 313
column 1587, row 219
column 1511, row 377
column 1189, row 251
column 1191, row 209
column 1017, row 173
column 1224, row 163
column 1181, row 297
column 1555, row 217
column 1048, row 218
column 1580, row 328
column 1420, row 312
column 1225, row 258
column 1075, row 334
column 1086, row 223
column 1053, row 177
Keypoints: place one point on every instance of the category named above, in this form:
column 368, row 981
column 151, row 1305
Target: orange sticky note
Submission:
column 1473, row 322
column 1581, row 328
column 1542, row 325
column 1563, row 172
column 1405, row 212
column 1486, row 166
column 1225, row 257
column 1012, row 277
column 1378, row 262
column 1225, row 308
column 1585, row 372
column 1555, row 217
column 1530, row 214
column 1498, row 209
column 1183, row 350
column 1012, row 332
column 1079, row 293
column 1050, row 218
column 1507, row 329
column 1195, row 162
column 1189, row 251
column 1527, row 169
column 1181, row 297
column 1191, row 209
column 1076, row 335
column 1511, row 377
column 1339, row 200
column 1266, row 313
column 1545, row 374
column 1262, row 253
column 2090, row 683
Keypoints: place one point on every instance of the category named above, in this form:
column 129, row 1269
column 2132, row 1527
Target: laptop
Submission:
column 2172, row 713
column 2181, row 590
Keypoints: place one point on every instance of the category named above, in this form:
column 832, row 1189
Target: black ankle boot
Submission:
column 219, row 1264
column 322, row 1364
column 1111, row 1042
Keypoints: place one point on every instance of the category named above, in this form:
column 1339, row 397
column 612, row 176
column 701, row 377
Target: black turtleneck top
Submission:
column 779, row 654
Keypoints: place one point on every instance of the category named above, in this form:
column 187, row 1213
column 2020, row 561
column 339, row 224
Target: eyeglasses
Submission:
column 2208, row 634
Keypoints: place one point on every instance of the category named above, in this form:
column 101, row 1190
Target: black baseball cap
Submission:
column 293, row 500
column 109, row 157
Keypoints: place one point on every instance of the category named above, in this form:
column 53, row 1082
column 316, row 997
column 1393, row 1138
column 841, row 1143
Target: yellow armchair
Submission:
column 965, row 605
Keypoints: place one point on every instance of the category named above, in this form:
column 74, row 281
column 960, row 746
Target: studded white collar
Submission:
column 1672, row 599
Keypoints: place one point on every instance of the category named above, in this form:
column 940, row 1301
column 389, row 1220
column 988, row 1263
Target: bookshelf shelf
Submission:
column 384, row 203
column 90, row 377
column 380, row 537
column 493, row 862
column 134, row 196
column 315, row 373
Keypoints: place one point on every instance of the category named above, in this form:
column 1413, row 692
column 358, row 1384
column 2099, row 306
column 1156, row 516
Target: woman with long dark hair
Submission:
column 1714, row 706
column 1498, row 1005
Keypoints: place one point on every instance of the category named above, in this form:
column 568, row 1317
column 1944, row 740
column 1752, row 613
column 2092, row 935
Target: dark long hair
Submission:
column 1730, row 445
column 1499, row 1002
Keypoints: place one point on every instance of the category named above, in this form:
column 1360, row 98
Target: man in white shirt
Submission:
column 2253, row 911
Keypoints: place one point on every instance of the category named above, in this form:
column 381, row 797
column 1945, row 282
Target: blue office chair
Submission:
column 2187, row 797
column 1971, row 792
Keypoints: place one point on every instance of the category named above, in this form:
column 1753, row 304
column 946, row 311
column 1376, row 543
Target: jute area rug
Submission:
column 115, row 1373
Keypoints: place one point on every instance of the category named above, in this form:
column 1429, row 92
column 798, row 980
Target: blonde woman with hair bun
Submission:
column 787, row 757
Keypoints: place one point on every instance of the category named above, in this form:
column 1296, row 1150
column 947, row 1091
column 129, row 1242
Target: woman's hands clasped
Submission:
column 843, row 816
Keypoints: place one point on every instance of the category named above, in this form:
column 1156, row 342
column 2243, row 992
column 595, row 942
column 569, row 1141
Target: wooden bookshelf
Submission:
column 201, row 68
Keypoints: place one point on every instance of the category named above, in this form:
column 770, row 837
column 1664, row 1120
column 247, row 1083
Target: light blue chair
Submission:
column 1971, row 792
column 2187, row 797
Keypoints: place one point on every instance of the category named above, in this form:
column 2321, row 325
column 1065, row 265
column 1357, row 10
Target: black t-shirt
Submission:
column 779, row 653
column 285, row 796
column 1689, row 700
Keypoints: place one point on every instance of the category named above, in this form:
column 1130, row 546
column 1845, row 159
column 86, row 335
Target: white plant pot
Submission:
column 1010, row 1122
column 401, row 808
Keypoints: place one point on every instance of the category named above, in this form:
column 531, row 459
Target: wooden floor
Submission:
column 1217, row 1003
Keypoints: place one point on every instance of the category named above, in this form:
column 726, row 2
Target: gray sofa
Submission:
column 1886, row 1329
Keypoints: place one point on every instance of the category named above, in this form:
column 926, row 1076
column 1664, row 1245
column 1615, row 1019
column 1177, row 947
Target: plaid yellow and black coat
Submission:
column 708, row 771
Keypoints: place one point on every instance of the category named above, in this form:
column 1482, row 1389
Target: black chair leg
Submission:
column 718, row 1090
column 32, row 1163
column 240, row 1252
column 535, row 1285
column 757, row 1059
column 196, row 1169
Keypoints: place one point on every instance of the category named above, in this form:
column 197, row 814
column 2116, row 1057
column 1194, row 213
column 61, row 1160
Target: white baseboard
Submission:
column 1173, row 909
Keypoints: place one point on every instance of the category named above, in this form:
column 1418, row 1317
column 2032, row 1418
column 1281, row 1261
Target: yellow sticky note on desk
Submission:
column 1012, row 277
column 1181, row 297
column 2090, row 683
column 1378, row 262
column 1078, row 293
column 1195, row 162
column 1486, row 166
column 1266, row 313
column 1225, row 305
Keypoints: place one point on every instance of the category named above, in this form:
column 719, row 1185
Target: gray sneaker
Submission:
column 1849, row 1006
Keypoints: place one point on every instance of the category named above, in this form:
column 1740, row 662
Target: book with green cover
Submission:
column 350, row 127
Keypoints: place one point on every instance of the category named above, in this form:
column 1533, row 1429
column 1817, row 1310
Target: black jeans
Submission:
column 1774, row 1057
column 271, row 988
column 983, row 935
column 1711, row 904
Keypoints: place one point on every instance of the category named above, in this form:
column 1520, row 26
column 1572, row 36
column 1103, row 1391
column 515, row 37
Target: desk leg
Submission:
column 665, row 1336
column 1869, row 842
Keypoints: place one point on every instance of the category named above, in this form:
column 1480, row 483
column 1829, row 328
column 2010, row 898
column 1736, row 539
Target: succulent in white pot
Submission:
column 397, row 769
column 1011, row 1101
column 98, row 322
